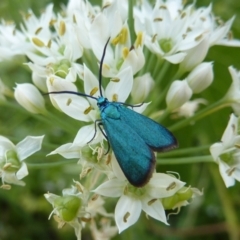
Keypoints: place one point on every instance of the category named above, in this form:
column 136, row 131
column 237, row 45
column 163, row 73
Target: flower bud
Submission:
column 177, row 199
column 141, row 87
column 194, row 56
column 67, row 207
column 30, row 98
column 178, row 93
column 200, row 77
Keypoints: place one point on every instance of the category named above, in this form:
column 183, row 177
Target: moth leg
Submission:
column 99, row 125
column 130, row 105
column 97, row 122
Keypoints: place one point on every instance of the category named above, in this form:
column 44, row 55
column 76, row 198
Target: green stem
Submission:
column 192, row 150
column 184, row 160
column 201, row 114
column 131, row 21
column 228, row 207
column 163, row 94
column 50, row 165
column 163, row 116
column 160, row 70
column 63, row 123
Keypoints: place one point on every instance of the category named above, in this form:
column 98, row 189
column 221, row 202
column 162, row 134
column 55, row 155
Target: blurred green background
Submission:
column 24, row 212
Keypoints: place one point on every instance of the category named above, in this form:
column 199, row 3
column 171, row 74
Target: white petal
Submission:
column 236, row 174
column 178, row 94
column 11, row 178
column 51, row 197
column 229, row 43
column 90, row 82
column 111, row 188
column 135, row 59
column 221, row 32
column 22, row 172
column 5, row 145
column 73, row 105
column 85, row 134
column 121, row 88
column 216, row 149
column 127, row 212
column 155, row 210
column 231, row 131
column 99, row 33
column 141, row 108
column 175, row 58
column 163, row 185
column 228, row 180
column 116, row 169
column 67, row 151
column 28, row 146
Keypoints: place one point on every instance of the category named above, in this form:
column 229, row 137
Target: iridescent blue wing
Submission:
column 157, row 137
column 134, row 156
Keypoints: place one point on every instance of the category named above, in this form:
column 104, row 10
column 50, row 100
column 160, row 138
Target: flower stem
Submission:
column 52, row 164
column 62, row 123
column 181, row 151
column 201, row 114
column 227, row 204
column 162, row 96
column 160, row 70
column 131, row 21
column 184, row 160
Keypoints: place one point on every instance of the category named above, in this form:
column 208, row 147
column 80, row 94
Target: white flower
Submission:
column 233, row 94
column 133, row 200
column 227, row 152
column 75, row 207
column 30, row 98
column 190, row 107
column 124, row 54
column 4, row 91
column 68, row 208
column 178, row 94
column 194, row 56
column 12, row 167
column 168, row 29
column 142, row 86
column 12, row 41
column 200, row 77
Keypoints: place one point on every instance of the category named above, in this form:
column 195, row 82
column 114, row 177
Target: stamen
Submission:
column 230, row 171
column 93, row 91
column 139, row 40
column 109, row 158
column 152, row 201
column 69, row 101
column 115, row 97
column 62, row 28
column 115, row 79
column 95, row 197
column 126, row 216
column 38, row 31
column 125, row 52
column 198, row 38
column 171, row 186
column 154, row 38
column 49, row 44
column 38, row 42
column 157, row 19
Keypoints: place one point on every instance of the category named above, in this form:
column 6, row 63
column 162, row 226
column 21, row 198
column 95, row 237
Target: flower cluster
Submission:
column 65, row 52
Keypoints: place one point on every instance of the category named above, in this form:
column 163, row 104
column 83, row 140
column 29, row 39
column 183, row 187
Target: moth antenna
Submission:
column 71, row 92
column 100, row 67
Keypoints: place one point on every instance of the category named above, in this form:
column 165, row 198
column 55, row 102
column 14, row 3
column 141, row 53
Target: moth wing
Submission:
column 154, row 134
column 134, row 156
